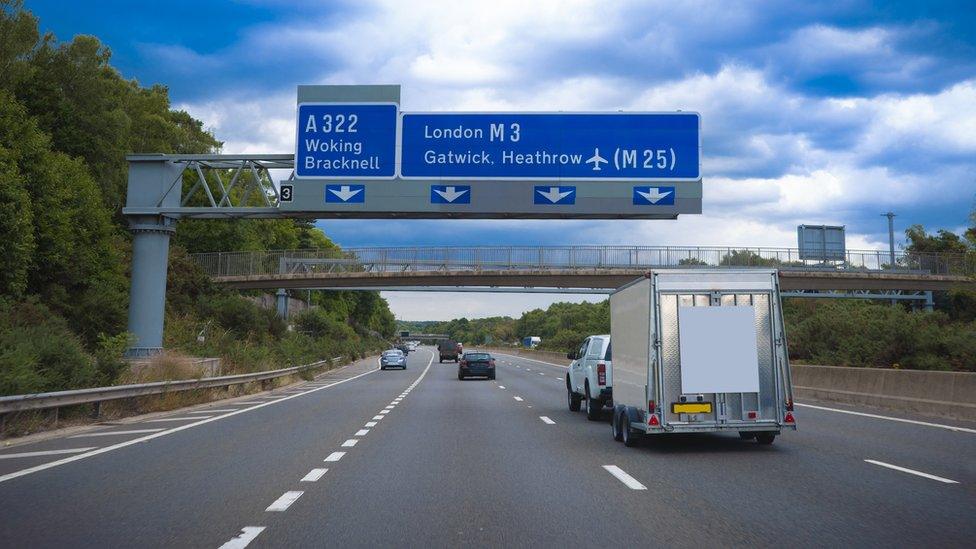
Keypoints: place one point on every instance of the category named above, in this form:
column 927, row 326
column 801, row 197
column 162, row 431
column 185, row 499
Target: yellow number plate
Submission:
column 691, row 408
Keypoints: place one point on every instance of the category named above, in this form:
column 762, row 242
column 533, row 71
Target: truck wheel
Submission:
column 593, row 406
column 574, row 399
column 765, row 438
column 746, row 435
column 615, row 427
column 630, row 437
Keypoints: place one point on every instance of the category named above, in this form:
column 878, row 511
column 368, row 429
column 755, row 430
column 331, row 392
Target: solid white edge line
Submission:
column 247, row 535
column 350, row 443
column 160, row 420
column 898, row 419
column 109, row 433
column 334, row 456
column 911, row 471
column 623, row 477
column 46, row 453
column 49, row 465
column 212, row 411
column 533, row 360
column 285, row 501
column 314, row 475
column 362, row 433
column 546, row 420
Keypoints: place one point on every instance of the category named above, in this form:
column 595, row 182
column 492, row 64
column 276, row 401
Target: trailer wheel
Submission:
column 765, row 438
column 574, row 399
column 746, row 435
column 630, row 437
column 593, row 406
column 615, row 427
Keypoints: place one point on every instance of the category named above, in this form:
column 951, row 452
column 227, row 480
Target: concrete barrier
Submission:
column 941, row 394
column 949, row 395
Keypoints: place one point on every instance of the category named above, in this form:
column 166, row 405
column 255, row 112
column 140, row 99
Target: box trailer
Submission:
column 697, row 351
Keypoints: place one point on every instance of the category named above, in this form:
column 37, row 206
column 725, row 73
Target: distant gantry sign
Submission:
column 357, row 155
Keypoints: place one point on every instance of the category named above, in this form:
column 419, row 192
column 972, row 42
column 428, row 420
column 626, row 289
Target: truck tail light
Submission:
column 788, row 418
column 653, row 421
column 650, row 407
column 601, row 374
column 752, row 415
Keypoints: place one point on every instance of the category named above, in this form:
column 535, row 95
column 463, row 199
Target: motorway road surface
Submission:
column 369, row 458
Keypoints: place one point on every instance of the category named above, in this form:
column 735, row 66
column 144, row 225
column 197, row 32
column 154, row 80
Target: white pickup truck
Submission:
column 589, row 377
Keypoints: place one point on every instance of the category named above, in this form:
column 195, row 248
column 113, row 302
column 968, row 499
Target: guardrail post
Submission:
column 96, row 409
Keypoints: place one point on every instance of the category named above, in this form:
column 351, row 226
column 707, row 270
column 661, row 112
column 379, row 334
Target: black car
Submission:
column 476, row 363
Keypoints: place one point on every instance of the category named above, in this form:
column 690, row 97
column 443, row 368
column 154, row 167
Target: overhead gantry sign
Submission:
column 358, row 156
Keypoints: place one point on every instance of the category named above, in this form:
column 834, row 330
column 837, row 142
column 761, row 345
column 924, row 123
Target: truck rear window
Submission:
column 608, row 355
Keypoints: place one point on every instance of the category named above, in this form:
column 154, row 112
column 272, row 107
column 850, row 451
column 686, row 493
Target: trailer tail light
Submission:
column 788, row 418
column 601, row 374
column 753, row 415
column 653, row 421
column 789, row 405
column 650, row 407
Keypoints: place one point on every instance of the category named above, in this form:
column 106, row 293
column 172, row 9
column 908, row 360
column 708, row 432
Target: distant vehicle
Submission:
column 531, row 342
column 394, row 358
column 404, row 348
column 589, row 377
column 476, row 363
column 448, row 350
column 412, row 345
column 700, row 351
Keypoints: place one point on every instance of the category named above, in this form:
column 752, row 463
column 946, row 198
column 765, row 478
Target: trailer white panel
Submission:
column 718, row 348
column 631, row 318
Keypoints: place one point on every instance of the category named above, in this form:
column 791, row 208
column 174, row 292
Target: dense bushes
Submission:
column 878, row 335
column 40, row 353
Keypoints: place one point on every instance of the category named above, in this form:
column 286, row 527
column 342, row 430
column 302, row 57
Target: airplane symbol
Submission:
column 596, row 159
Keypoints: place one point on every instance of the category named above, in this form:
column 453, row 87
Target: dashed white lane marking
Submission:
column 362, row 432
column 382, row 412
column 314, row 475
column 541, row 374
column 47, row 453
column 875, row 416
column 175, row 419
column 528, row 369
column 377, row 418
column 212, row 411
column 392, row 406
column 546, row 420
column 248, row 533
column 911, row 471
column 501, row 386
column 370, row 424
column 110, row 433
column 350, row 443
column 335, row 456
column 285, row 501
column 518, row 398
column 623, row 477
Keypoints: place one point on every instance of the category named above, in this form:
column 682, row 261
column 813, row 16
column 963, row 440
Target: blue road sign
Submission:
column 554, row 195
column 551, row 146
column 345, row 194
column 450, row 194
column 654, row 196
column 345, row 141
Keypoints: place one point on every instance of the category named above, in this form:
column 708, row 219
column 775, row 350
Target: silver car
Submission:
column 394, row 358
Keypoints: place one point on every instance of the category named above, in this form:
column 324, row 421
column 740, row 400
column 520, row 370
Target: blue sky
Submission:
column 812, row 112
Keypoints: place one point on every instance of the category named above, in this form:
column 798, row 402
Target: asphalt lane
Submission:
column 428, row 460
column 811, row 486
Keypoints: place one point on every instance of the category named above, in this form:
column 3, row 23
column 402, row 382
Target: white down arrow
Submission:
column 450, row 193
column 653, row 194
column 553, row 195
column 345, row 192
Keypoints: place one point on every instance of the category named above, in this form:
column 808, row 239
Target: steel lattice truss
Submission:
column 221, row 185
